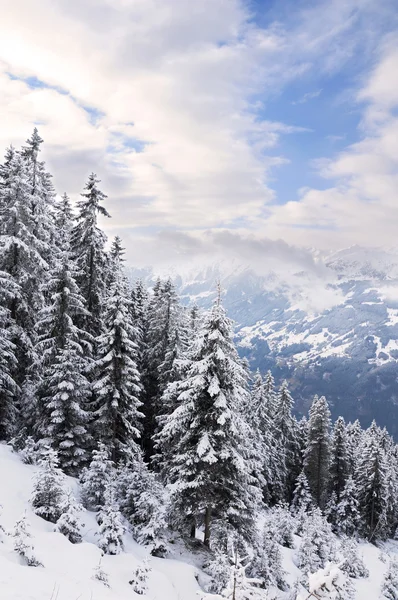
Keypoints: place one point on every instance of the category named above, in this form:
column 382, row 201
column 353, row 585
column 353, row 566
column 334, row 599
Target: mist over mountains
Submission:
column 331, row 329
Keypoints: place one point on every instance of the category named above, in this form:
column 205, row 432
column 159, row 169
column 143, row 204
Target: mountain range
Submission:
column 331, row 329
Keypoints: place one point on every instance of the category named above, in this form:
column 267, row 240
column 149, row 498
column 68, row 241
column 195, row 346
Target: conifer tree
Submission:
column 117, row 381
column 372, row 490
column 265, row 463
column 96, row 478
column 287, row 445
column 8, row 363
column 208, row 434
column 353, row 564
column 317, row 546
column 140, row 577
column 69, row 523
column 144, row 504
column 339, row 461
column 22, row 542
column 389, row 587
column 22, row 259
column 317, row 453
column 267, row 562
column 101, row 575
column 87, row 244
column 347, row 511
column 63, row 389
column 162, row 323
column 110, row 529
column 48, row 494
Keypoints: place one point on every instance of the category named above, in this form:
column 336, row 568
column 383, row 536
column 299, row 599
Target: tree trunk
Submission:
column 207, row 526
column 193, row 529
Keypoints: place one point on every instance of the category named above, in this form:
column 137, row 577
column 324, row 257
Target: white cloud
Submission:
column 185, row 81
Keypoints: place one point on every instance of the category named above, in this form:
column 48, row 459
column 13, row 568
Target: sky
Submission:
column 233, row 128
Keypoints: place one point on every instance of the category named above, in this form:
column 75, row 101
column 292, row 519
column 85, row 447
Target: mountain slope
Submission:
column 331, row 329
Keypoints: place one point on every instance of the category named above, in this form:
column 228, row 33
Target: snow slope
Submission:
column 68, row 569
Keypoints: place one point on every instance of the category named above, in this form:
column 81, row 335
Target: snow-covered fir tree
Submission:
column 219, row 570
column 9, row 389
column 339, row 459
column 240, row 586
column 117, row 380
column 69, row 523
column 208, row 469
column 139, row 581
column 63, row 389
column 287, row 446
column 111, row 530
column 48, row 494
column 317, row 545
column 101, row 575
column 371, row 485
column 143, row 502
column 264, row 458
column 88, row 247
column 389, row 587
column 267, row 562
column 22, row 257
column 162, row 321
column 22, row 542
column 352, row 564
column 347, row 510
column 96, row 478
column 317, row 452
column 329, row 583
column 302, row 502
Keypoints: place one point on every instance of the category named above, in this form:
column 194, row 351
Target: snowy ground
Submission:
column 68, row 569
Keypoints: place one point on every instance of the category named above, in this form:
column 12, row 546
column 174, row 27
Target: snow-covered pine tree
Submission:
column 302, row 502
column 339, row 459
column 111, row 529
column 329, row 583
column 267, row 562
column 355, row 436
column 69, row 523
column 317, row 452
column 96, row 478
column 264, row 459
column 389, row 587
column 287, row 446
column 317, row 546
column 140, row 577
column 208, row 468
column 143, row 503
column 48, row 494
column 163, row 320
column 63, row 389
column 8, row 363
column 63, row 218
column 219, row 570
column 87, row 244
column 352, row 564
column 348, row 519
column 283, row 525
column 240, row 586
column 22, row 258
column 139, row 315
column 116, row 414
column 101, row 575
column 371, row 484
column 22, row 542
